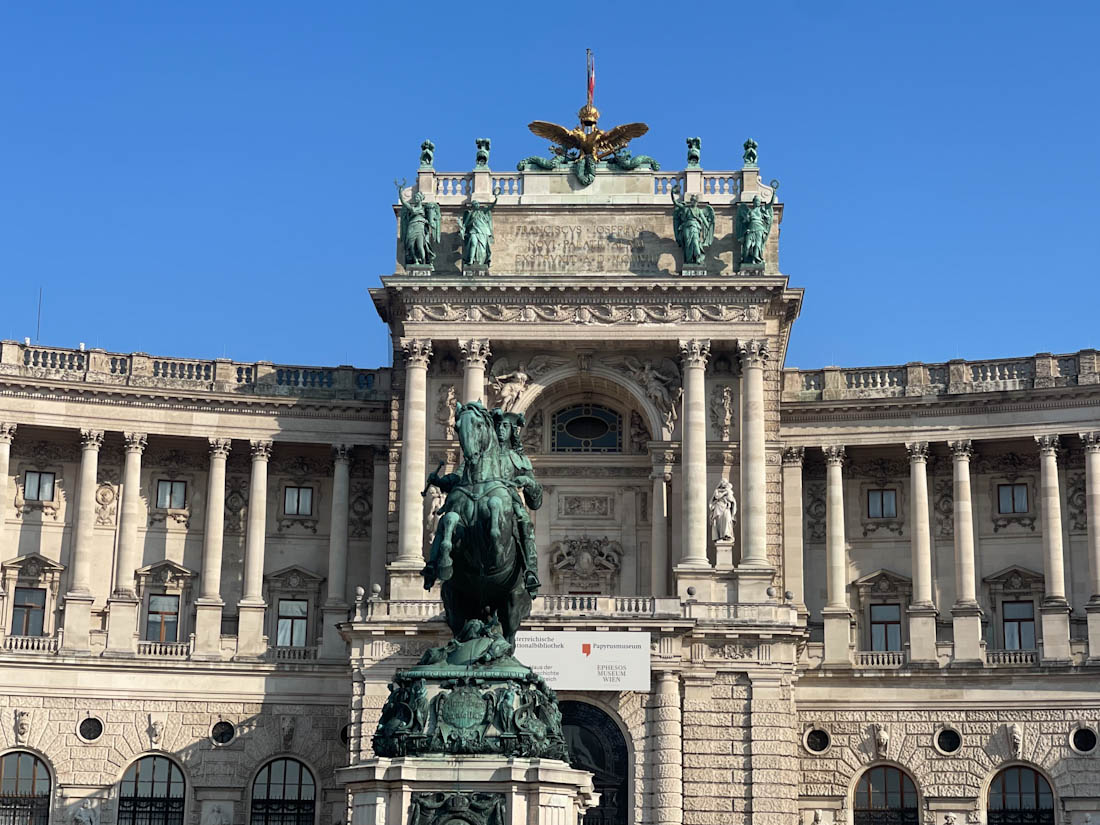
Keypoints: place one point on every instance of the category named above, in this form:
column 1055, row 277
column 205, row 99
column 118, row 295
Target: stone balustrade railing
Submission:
column 164, row 650
column 219, row 375
column 918, row 380
column 1010, row 658
column 880, row 658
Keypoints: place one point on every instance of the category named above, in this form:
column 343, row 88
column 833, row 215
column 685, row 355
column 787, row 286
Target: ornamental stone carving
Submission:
column 834, row 455
column 85, row 814
column 587, row 314
column 753, row 353
column 7, row 432
column 236, row 500
column 445, row 410
column 815, row 511
column 639, row 433
column 260, row 450
column 106, row 498
column 418, row 352
column 475, row 351
column 695, row 352
column 721, row 411
column 943, row 507
column 586, row 564
column 359, row 511
column 22, row 726
column 793, row 456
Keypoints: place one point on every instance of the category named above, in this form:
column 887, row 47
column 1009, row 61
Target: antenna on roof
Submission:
column 38, row 328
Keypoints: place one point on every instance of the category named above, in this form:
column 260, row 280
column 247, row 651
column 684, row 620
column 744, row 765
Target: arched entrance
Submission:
column 885, row 795
column 596, row 745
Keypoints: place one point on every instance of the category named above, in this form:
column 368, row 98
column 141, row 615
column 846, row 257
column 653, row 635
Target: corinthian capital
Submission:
column 475, row 351
column 834, row 454
column 261, row 450
column 219, row 447
column 961, row 449
column 135, row 442
column 793, row 456
column 91, row 439
column 1090, row 441
column 7, row 432
column 341, row 452
column 752, row 353
column 1048, row 444
column 918, row 450
column 695, row 352
column 418, row 351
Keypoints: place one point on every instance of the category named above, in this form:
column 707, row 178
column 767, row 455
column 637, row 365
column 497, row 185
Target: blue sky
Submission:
column 210, row 179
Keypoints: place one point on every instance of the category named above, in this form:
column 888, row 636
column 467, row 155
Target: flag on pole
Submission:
column 591, row 76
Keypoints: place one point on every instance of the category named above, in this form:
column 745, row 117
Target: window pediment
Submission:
column 165, row 575
column 1015, row 580
column 883, row 583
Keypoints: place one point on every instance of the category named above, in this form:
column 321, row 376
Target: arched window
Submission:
column 587, row 428
column 151, row 793
column 1020, row 796
column 24, row 789
column 283, row 793
column 885, row 795
column 596, row 744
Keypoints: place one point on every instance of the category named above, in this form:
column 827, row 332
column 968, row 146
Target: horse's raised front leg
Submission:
column 439, row 560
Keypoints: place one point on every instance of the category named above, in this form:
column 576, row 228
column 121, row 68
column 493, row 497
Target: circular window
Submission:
column 817, row 740
column 1083, row 740
column 948, row 741
column 223, row 732
column 345, row 734
column 90, row 729
column 587, row 428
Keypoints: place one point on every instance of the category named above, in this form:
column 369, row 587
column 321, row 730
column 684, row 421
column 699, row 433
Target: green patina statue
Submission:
column 695, row 147
column 692, row 226
column 475, row 228
column 420, row 224
column 627, row 162
column 470, row 695
column 535, row 162
column 754, row 224
column 481, row 159
column 427, row 154
column 750, row 152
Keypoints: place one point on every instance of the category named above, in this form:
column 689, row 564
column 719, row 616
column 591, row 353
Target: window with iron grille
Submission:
column 151, row 793
column 28, row 611
column 171, row 495
column 24, row 789
column 1020, row 796
column 283, row 793
column 162, row 623
column 38, row 486
column 885, row 795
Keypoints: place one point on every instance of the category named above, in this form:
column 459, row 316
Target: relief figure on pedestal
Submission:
column 420, row 224
column 475, row 228
column 692, row 226
column 754, row 224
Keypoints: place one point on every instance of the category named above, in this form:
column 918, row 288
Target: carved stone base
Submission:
column 693, row 270
column 418, row 269
column 751, row 269
column 494, row 791
column 475, row 270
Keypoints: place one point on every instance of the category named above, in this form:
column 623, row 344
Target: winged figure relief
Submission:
column 576, row 143
column 511, row 376
column 659, row 380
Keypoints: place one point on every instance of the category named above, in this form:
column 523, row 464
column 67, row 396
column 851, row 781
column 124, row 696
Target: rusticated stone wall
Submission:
column 717, row 751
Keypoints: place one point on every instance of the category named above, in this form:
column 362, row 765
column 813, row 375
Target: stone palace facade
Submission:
column 210, row 568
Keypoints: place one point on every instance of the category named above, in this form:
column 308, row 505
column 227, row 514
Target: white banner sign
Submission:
column 587, row 661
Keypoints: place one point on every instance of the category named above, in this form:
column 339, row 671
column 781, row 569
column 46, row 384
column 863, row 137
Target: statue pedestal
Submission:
column 751, row 269
column 491, row 790
column 693, row 270
column 418, row 269
column 475, row 270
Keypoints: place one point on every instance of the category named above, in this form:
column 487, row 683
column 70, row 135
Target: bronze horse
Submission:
column 476, row 550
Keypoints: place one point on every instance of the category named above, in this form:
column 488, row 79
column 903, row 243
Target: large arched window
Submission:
column 1020, row 796
column 24, row 789
column 885, row 795
column 283, row 793
column 586, row 428
column 596, row 744
column 151, row 793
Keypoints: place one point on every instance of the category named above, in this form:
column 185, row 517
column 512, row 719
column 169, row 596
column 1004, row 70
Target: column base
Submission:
column 122, row 625
column 208, row 630
column 1055, row 619
column 1092, row 610
column 406, row 583
column 701, row 580
column 966, row 625
column 251, row 641
column 752, row 583
column 922, row 636
column 77, row 624
column 838, row 636
column 333, row 645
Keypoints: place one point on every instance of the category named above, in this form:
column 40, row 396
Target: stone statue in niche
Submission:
column 445, row 409
column 475, row 228
column 754, row 224
column 723, row 512
column 692, row 226
column 420, row 225
column 721, row 411
column 639, row 433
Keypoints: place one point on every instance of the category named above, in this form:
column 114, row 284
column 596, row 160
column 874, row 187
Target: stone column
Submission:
column 379, row 515
column 7, row 433
column 250, row 623
column 754, row 526
column 658, row 518
column 122, row 607
column 1091, row 442
column 475, row 352
column 793, row 564
column 668, row 759
column 966, row 615
column 694, row 440
column 208, row 607
column 405, row 571
column 836, row 613
column 78, row 600
column 922, row 612
column 335, row 609
column 1055, row 609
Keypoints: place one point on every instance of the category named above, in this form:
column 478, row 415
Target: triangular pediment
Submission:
column 1015, row 578
column 165, row 570
column 32, row 565
column 884, row 581
column 294, row 577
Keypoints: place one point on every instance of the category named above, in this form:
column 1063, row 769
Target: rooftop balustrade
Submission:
column 919, row 380
column 219, row 376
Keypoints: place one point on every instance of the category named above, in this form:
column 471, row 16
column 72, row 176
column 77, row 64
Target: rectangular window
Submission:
column 292, row 623
column 28, row 611
column 886, row 627
column 1011, row 498
column 298, row 501
column 171, row 495
column 1019, row 625
column 882, row 503
column 163, row 622
column 38, row 486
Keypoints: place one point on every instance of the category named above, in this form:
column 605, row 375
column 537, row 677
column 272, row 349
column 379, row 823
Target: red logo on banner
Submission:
column 586, row 648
